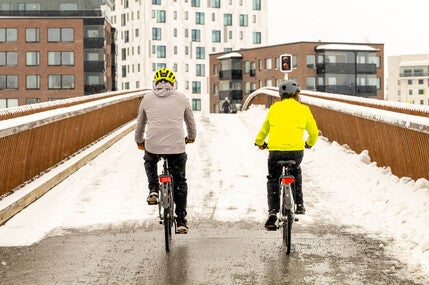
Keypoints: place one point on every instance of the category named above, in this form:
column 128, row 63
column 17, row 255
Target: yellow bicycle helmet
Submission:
column 164, row 74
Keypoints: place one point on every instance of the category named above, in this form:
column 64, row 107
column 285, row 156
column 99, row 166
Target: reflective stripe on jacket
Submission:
column 285, row 124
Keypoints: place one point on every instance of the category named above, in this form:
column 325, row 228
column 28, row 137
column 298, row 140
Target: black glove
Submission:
column 263, row 146
column 140, row 145
column 307, row 146
column 188, row 140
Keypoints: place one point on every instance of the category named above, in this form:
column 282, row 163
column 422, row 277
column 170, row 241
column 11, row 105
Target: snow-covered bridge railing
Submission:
column 37, row 137
column 396, row 135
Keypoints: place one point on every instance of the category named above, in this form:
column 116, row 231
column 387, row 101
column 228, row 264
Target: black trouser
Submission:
column 177, row 168
column 274, row 172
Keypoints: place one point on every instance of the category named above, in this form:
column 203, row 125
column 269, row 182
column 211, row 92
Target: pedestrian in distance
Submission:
column 226, row 106
column 284, row 125
column 159, row 132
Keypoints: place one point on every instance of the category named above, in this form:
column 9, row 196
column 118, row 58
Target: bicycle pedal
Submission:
column 152, row 203
column 272, row 228
column 182, row 232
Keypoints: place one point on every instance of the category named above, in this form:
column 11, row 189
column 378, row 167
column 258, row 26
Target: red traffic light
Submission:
column 286, row 63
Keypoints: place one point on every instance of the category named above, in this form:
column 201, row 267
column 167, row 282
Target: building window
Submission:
column 32, row 58
column 93, row 78
column 160, row 16
column 93, row 55
column 60, row 81
column 8, row 35
column 126, row 36
column 199, row 18
column 227, row 19
column 28, row 7
column 61, row 58
column 200, row 53
column 196, row 104
column 195, row 3
column 156, row 2
column 196, row 35
column 215, row 3
column 161, row 51
column 32, row 35
column 196, row 87
column 33, row 81
column 60, row 35
column 156, row 34
column 8, row 58
column 8, row 103
column 93, row 32
column 244, row 20
column 6, row 6
column 311, row 83
column 256, row 37
column 256, row 4
column 268, row 63
column 68, row 7
column 311, row 61
column 200, row 70
column 421, row 91
column 8, row 82
column 216, row 36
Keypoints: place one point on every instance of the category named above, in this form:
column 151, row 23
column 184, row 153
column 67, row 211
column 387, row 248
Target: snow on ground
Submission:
column 227, row 182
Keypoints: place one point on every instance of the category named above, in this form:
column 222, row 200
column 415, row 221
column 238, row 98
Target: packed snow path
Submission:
column 227, row 183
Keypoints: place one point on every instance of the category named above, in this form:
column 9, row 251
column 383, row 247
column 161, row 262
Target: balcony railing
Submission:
column 234, row 74
column 51, row 13
column 414, row 74
column 360, row 90
column 94, row 66
column 346, row 68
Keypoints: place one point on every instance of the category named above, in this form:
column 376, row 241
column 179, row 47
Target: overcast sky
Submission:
column 402, row 26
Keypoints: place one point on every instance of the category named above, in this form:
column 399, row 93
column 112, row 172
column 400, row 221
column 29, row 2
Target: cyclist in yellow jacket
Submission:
column 284, row 125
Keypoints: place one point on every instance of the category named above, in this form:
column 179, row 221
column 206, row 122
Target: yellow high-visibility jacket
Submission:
column 285, row 124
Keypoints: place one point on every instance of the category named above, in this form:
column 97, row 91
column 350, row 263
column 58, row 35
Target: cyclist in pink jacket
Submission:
column 160, row 131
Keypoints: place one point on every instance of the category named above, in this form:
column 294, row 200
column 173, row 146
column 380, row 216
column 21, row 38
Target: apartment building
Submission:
column 408, row 79
column 343, row 68
column 52, row 50
column 180, row 35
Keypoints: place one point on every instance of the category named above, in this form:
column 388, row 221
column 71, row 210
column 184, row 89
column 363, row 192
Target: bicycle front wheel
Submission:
column 168, row 223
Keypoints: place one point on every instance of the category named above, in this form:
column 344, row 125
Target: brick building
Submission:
column 341, row 68
column 51, row 50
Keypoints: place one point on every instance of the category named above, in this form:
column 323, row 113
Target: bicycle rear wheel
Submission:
column 287, row 216
column 287, row 230
column 168, row 223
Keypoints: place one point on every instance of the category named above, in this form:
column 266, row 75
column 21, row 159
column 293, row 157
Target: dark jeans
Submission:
column 177, row 168
column 274, row 172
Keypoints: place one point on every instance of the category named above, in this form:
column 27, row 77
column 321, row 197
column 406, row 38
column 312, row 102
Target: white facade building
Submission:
column 180, row 34
column 408, row 77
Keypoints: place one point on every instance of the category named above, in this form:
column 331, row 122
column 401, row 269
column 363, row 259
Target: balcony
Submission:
column 361, row 90
column 234, row 74
column 233, row 95
column 94, row 66
column 346, row 68
column 51, row 13
column 414, row 74
column 93, row 42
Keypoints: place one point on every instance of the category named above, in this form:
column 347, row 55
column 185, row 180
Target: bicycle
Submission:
column 166, row 203
column 287, row 202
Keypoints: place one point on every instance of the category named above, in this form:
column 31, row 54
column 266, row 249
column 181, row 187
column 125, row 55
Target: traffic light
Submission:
column 286, row 63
